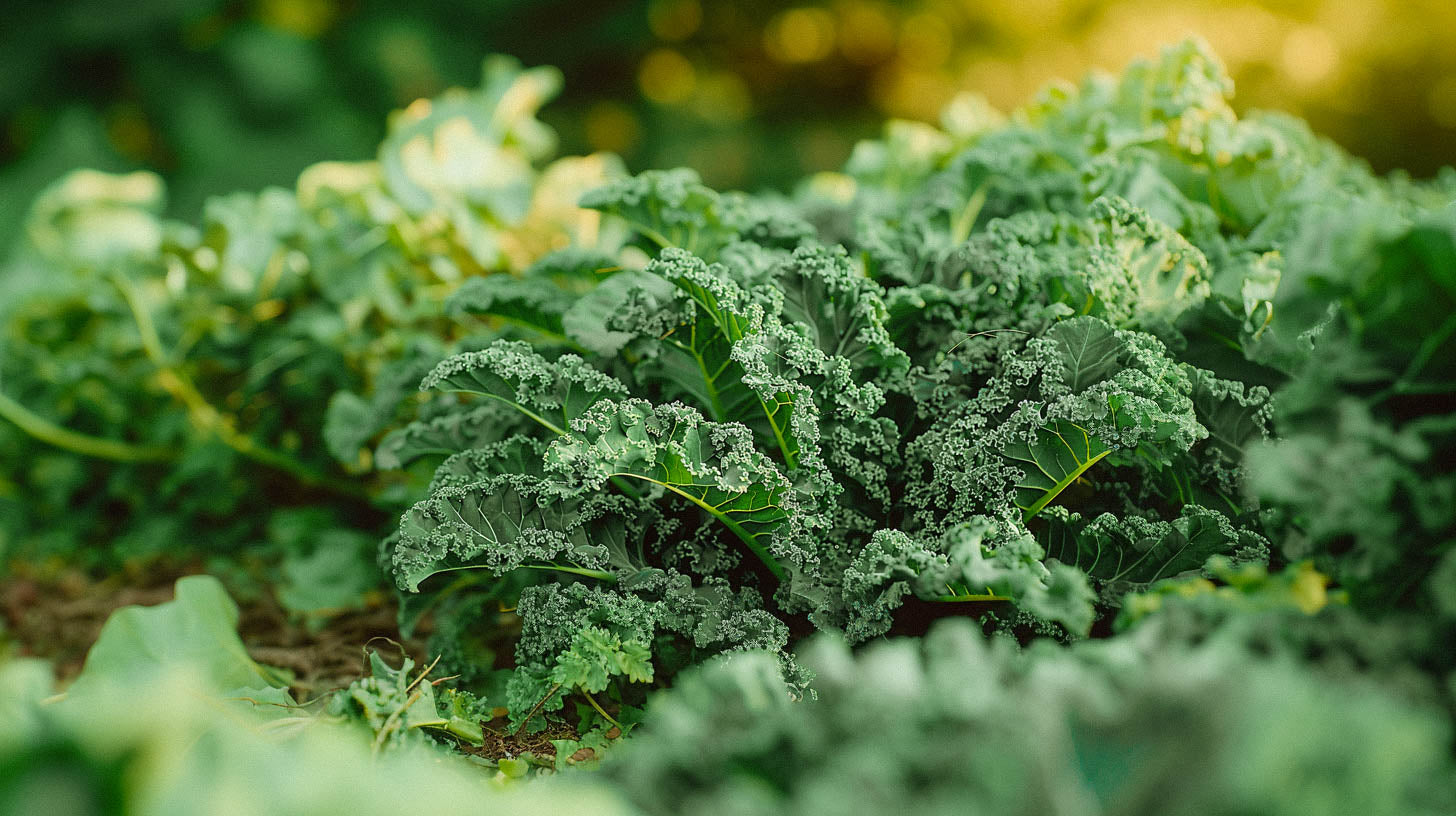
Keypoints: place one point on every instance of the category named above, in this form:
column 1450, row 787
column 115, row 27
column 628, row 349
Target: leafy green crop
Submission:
column 1145, row 723
column 1029, row 366
column 166, row 388
column 1156, row 398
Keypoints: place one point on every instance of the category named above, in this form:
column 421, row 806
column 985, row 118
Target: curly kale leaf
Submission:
column 1125, row 554
column 670, row 208
column 592, row 321
column 540, row 301
column 879, row 580
column 714, row 466
column 516, row 454
column 1237, row 416
column 521, row 503
column 581, row 636
column 1002, row 560
column 550, row 393
column 445, row 427
column 1082, row 393
column 982, row 560
column 509, row 521
column 1116, row 263
column 522, row 386
column 842, row 311
column 729, row 355
column 1052, row 458
column 532, row 305
column 693, row 336
column 775, row 361
column 595, row 655
column 673, row 208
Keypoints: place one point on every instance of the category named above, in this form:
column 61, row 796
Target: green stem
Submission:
column 651, row 234
column 715, row 400
column 1427, row 350
column 600, row 575
column 593, row 701
column 961, row 230
column 582, row 571
column 543, row 421
column 207, row 418
column 1062, row 484
column 756, row 548
column 789, row 461
column 536, row 708
column 46, row 431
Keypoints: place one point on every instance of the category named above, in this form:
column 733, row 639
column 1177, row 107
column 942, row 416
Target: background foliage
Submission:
column 222, row 95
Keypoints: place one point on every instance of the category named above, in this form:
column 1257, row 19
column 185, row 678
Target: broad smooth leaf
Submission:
column 197, row 631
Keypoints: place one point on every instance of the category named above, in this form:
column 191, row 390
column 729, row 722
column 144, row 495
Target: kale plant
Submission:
column 953, row 723
column 168, row 388
column 1022, row 366
column 1155, row 401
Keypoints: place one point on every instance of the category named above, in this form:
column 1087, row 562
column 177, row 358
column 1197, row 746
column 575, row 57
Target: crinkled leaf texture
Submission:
column 954, row 721
column 1027, row 364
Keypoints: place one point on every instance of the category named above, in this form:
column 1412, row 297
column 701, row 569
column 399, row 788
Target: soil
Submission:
column 500, row 743
column 58, row 616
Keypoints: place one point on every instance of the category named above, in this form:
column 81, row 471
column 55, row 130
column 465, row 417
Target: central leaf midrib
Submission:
column 749, row 539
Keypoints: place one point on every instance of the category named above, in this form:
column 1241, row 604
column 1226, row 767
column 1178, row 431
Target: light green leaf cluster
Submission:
column 166, row 384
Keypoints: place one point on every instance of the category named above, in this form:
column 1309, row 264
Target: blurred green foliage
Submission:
column 219, row 95
column 164, row 383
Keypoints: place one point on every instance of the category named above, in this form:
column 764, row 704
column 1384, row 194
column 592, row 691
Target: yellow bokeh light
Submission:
column 912, row 94
column 800, row 35
column 836, row 187
column 866, row 33
column 723, row 98
column 306, row 18
column 1309, row 55
column 674, row 20
column 667, row 77
column 925, row 41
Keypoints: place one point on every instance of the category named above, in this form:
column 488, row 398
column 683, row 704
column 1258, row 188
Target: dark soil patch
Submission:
column 326, row 659
column 500, row 743
column 58, row 616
